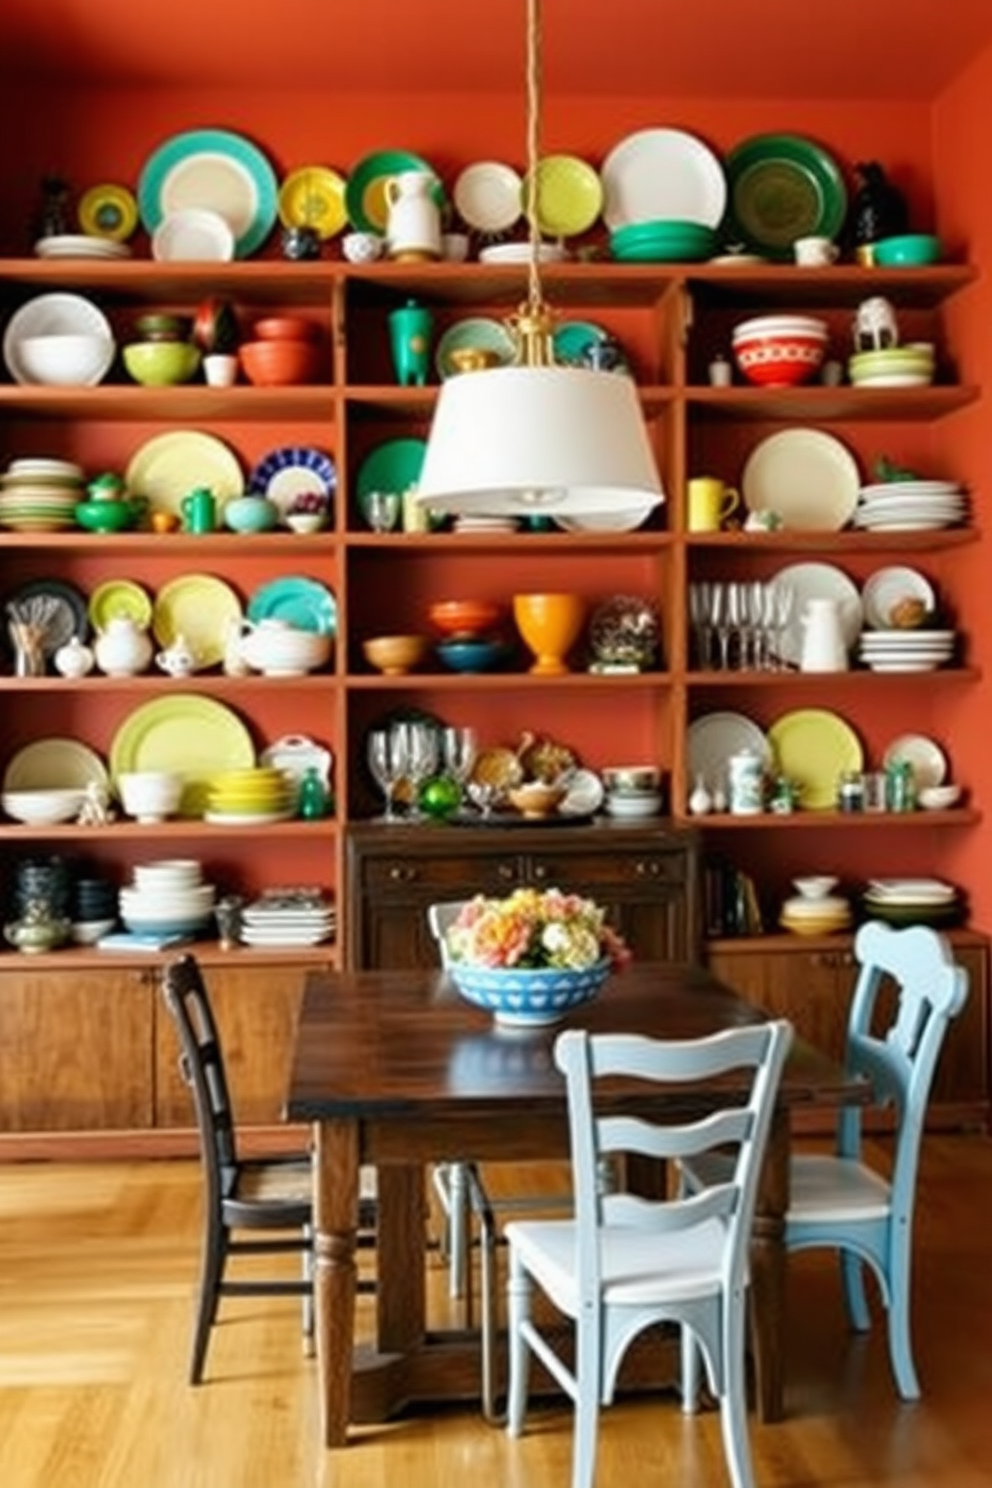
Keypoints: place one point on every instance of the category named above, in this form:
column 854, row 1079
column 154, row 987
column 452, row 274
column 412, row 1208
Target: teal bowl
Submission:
column 909, row 251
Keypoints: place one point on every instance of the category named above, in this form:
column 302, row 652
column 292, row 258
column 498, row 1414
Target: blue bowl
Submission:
column 528, row 997
column 471, row 655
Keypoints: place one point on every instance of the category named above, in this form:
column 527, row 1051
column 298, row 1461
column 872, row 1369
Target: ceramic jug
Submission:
column 823, row 648
column 122, row 648
column 413, row 226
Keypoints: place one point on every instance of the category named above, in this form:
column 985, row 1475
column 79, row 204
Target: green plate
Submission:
column 186, row 733
column 365, row 192
column 213, row 169
column 392, row 466
column 782, row 187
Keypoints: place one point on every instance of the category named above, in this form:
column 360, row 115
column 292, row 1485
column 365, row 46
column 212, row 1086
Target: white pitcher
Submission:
column 413, row 227
column 824, row 648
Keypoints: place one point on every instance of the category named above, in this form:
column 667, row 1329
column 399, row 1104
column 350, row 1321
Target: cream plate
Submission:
column 816, row 581
column 809, row 478
column 927, row 759
column 170, row 465
column 662, row 174
column 54, row 764
column 886, row 588
column 202, row 610
column 815, row 748
column 714, row 737
column 193, row 235
column 489, row 196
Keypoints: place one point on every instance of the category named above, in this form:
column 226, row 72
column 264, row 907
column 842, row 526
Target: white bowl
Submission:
column 939, row 797
column 75, row 360
column 150, row 795
column 815, row 885
column 362, row 247
column 88, row 932
column 41, row 808
column 633, row 808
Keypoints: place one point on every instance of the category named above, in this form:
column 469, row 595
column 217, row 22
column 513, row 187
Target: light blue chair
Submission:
column 839, row 1201
column 625, row 1262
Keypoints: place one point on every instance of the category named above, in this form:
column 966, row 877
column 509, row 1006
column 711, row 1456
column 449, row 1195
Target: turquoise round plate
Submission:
column 365, row 191
column 213, row 170
column 476, row 331
column 392, row 466
column 297, row 600
column 782, row 187
column 572, row 338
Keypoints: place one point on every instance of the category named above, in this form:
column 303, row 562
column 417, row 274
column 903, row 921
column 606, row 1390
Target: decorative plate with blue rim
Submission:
column 299, row 601
column 217, row 171
column 283, row 474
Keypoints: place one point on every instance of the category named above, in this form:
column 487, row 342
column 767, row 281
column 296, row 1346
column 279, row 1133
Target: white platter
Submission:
column 927, row 759
column 911, row 891
column 816, row 581
column 886, row 588
column 657, row 175
column 809, row 478
column 714, row 737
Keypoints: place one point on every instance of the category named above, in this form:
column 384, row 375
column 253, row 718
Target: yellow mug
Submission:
column 710, row 501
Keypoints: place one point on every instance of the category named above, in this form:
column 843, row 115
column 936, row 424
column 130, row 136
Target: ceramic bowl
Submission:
column 473, row 358
column 471, row 653
column 394, row 655
column 779, row 351
column 528, row 996
column 815, row 885
column 938, row 797
column 464, row 617
column 631, row 779
column 65, row 360
column 633, row 807
column 150, row 795
column 43, row 807
column 279, row 363
column 161, row 363
column 909, row 250
column 105, row 516
column 537, row 798
column 362, row 247
column 284, row 328
column 280, row 650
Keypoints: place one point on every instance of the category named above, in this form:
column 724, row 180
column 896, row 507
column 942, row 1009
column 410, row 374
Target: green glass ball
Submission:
column 440, row 797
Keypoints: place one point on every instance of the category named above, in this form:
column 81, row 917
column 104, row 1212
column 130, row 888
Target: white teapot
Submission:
column 282, row 650
column 123, row 648
column 179, row 659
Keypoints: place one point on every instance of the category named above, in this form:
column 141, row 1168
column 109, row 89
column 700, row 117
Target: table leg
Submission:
column 335, row 1272
column 768, row 1272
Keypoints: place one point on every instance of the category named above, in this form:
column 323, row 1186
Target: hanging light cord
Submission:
column 532, row 324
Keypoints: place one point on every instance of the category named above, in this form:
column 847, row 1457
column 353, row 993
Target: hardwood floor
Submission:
column 97, row 1266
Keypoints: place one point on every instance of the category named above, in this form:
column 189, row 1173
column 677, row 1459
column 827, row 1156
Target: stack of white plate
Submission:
column 289, row 917
column 911, row 505
column 908, row 901
column 168, row 897
column 485, row 524
column 906, row 650
column 80, row 245
column 40, row 495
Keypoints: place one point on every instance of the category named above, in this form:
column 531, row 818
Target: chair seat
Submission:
column 276, row 1183
column 638, row 1268
column 836, row 1188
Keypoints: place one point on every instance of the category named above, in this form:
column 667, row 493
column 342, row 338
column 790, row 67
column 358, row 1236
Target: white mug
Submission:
column 815, row 253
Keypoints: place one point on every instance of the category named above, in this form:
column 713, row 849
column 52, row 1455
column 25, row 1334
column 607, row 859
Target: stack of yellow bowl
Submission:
column 250, row 797
column 911, row 365
column 815, row 909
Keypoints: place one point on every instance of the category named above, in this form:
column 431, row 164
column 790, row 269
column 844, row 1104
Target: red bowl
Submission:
column 285, row 328
column 780, row 361
column 464, row 617
column 278, row 363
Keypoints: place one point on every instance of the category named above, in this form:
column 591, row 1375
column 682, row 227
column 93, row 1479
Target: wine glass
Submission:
column 423, row 752
column 459, row 747
column 382, row 509
column 389, row 760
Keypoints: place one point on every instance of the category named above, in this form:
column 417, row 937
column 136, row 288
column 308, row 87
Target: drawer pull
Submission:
column 506, row 872
column 647, row 868
column 403, row 873
column 540, row 872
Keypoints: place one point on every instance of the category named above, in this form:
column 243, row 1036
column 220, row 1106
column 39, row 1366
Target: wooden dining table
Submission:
column 396, row 1069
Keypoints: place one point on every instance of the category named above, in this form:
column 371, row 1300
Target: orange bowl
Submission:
column 285, row 328
column 279, row 363
column 464, row 616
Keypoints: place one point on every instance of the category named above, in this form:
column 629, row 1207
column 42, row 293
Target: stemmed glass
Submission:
column 699, row 618
column 459, row 747
column 382, row 508
column 388, row 755
column 422, row 760
column 721, row 620
column 784, row 599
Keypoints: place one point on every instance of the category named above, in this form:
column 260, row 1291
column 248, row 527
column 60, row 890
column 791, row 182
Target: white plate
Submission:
column 659, row 175
column 585, row 794
column 926, row 758
column 886, row 588
column 714, row 737
column 809, row 478
column 80, row 245
column 517, row 253
column 54, row 315
column 193, row 235
column 911, row 890
column 910, row 489
column 816, row 581
column 247, row 818
column 489, row 196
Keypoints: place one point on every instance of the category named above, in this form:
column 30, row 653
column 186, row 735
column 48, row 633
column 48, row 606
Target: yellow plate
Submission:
column 313, row 197
column 108, row 212
column 569, row 196
column 184, row 732
column 200, row 609
column 119, row 597
column 815, row 748
column 169, row 466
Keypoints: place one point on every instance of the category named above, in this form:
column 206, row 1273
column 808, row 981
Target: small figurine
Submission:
column 53, row 215
column 96, row 810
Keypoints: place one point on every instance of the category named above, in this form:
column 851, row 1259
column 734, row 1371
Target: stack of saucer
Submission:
column 815, row 909
column 910, row 505
column 250, row 798
column 906, row 650
column 40, row 495
column 289, row 917
column 632, row 791
column 913, row 901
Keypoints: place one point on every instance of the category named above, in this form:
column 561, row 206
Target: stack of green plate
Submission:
column 668, row 241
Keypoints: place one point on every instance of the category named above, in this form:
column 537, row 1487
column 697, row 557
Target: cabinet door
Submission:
column 75, row 1050
column 256, row 1009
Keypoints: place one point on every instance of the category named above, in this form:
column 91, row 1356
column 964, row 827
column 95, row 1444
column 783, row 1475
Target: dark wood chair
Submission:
column 271, row 1198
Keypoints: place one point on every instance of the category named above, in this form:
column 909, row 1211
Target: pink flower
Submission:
column 535, row 928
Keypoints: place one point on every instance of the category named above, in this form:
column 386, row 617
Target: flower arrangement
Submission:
column 534, row 929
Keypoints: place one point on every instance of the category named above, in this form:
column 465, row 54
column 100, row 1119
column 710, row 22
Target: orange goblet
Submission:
column 549, row 625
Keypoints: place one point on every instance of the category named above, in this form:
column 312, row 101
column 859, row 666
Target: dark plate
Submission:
column 68, row 618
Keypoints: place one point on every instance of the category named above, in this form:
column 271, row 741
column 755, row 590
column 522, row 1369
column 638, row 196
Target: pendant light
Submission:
column 533, row 437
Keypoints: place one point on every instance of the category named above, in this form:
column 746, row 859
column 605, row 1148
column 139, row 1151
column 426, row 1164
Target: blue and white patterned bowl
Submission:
column 528, row 997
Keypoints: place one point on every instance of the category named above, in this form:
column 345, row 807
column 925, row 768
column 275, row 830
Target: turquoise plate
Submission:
column 393, row 466
column 217, row 171
column 572, row 338
column 782, row 187
column 476, row 331
column 297, row 600
column 365, row 190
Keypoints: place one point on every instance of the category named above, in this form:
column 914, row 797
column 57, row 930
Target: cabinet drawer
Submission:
column 455, row 877
column 613, row 870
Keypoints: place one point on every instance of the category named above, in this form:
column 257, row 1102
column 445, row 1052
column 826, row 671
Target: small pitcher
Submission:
column 413, row 226
column 824, row 648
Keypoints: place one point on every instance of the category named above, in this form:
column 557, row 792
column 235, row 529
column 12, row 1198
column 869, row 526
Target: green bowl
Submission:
column 909, row 251
column 161, row 363
column 105, row 516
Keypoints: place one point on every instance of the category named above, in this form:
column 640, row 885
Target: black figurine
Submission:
column 53, row 215
column 879, row 208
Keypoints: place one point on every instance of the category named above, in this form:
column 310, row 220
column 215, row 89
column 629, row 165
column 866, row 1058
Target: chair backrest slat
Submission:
column 202, row 1063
